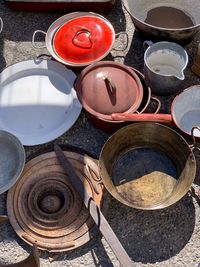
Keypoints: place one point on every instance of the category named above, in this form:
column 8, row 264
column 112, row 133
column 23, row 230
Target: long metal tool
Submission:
column 94, row 210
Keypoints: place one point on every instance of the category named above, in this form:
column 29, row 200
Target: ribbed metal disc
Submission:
column 44, row 208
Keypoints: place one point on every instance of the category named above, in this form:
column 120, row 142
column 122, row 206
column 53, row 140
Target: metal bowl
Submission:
column 162, row 24
column 12, row 160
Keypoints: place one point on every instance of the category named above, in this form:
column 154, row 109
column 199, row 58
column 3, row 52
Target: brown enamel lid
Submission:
column 109, row 87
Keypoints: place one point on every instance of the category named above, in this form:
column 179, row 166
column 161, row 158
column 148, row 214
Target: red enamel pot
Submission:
column 79, row 39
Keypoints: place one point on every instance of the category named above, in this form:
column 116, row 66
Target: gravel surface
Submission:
column 168, row 237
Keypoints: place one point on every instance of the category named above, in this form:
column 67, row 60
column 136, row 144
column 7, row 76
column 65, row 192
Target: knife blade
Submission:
column 94, row 210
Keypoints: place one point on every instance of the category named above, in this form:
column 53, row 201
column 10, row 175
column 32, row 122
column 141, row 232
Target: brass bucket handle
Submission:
column 194, row 145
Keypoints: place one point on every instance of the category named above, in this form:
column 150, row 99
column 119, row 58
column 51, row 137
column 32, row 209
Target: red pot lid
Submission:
column 83, row 40
column 109, row 87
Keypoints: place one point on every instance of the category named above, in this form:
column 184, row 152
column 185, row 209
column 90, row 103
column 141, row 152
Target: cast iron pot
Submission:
column 79, row 38
column 147, row 166
column 138, row 10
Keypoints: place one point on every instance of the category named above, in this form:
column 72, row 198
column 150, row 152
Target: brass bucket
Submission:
column 147, row 166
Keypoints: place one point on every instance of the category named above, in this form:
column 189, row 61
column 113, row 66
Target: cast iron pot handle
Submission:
column 158, row 107
column 33, row 39
column 194, row 145
column 42, row 57
column 127, row 41
column 1, row 22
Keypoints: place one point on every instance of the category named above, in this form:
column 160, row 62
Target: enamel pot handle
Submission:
column 147, row 44
column 162, row 118
column 33, row 39
column 126, row 42
column 44, row 56
column 158, row 102
column 155, row 99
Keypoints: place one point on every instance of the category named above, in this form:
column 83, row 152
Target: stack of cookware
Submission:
column 145, row 165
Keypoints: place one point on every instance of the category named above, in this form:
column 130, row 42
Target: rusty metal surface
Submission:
column 94, row 210
column 149, row 185
column 32, row 260
column 43, row 207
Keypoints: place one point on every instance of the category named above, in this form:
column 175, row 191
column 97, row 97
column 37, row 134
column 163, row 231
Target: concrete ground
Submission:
column 168, row 237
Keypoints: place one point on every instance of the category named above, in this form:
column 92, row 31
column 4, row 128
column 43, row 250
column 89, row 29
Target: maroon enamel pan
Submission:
column 185, row 112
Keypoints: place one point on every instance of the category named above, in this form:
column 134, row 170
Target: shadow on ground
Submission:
column 148, row 237
column 154, row 236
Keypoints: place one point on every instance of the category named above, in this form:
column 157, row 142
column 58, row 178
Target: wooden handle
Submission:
column 163, row 118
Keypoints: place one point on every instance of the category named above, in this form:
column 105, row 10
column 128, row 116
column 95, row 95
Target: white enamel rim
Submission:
column 38, row 68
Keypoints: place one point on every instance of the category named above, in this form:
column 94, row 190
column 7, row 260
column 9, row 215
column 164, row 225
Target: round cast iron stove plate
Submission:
column 43, row 207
